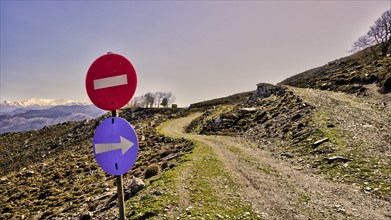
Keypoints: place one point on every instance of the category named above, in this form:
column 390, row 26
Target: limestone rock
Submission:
column 319, row 142
column 136, row 185
column 337, row 159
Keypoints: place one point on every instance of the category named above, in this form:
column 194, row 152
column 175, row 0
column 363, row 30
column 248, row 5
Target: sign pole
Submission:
column 111, row 82
column 120, row 188
column 121, row 200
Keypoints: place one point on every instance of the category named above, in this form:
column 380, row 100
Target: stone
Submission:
column 136, row 185
column 157, row 193
column 337, row 159
column 188, row 210
column 248, row 110
column 296, row 117
column 85, row 216
column 219, row 216
column 30, row 173
column 319, row 142
column 329, row 125
column 341, row 210
column 171, row 156
column 300, row 126
column 218, row 121
column 263, row 90
column 287, row 154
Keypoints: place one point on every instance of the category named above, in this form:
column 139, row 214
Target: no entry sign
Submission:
column 111, row 82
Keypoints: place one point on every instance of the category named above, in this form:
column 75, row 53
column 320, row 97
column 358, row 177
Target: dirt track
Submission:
column 277, row 190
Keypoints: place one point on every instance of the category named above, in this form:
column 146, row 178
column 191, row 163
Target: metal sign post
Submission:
column 111, row 83
column 120, row 186
column 121, row 199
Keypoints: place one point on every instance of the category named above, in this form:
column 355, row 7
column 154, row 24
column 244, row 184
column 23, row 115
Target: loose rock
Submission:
column 319, row 142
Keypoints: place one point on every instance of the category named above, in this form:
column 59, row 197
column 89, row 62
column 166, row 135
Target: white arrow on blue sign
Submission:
column 115, row 146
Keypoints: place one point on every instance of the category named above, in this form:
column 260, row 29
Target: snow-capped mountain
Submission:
column 44, row 102
column 34, row 103
column 29, row 114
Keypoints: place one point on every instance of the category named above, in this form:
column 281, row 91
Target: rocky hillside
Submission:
column 348, row 74
column 343, row 132
column 229, row 100
column 52, row 173
column 344, row 137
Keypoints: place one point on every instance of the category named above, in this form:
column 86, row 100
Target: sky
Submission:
column 198, row 50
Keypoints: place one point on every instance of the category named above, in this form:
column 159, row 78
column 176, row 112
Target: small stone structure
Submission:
column 263, row 90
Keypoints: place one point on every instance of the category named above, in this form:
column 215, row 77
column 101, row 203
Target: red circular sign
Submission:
column 111, row 82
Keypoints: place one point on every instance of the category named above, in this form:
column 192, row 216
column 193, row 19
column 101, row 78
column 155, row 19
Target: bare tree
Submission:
column 362, row 43
column 158, row 98
column 168, row 98
column 149, row 99
column 164, row 102
column 137, row 101
column 379, row 33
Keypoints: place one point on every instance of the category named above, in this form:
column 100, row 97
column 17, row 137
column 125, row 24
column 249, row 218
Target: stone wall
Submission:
column 263, row 90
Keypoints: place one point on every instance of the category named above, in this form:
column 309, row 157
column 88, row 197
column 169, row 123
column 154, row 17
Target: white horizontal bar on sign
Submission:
column 110, row 82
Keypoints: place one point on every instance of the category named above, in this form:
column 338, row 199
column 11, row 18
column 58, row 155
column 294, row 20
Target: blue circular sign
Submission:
column 115, row 146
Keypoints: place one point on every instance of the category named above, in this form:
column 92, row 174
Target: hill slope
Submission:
column 275, row 188
column 348, row 74
column 323, row 134
column 52, row 173
column 336, row 133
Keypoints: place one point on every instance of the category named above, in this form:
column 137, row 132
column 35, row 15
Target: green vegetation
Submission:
column 198, row 187
column 214, row 191
column 229, row 100
column 197, row 125
column 265, row 168
column 148, row 202
column 322, row 119
column 304, row 198
column 348, row 74
column 152, row 170
column 370, row 172
column 340, row 158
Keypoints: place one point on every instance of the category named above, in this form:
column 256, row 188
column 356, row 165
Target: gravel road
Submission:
column 277, row 189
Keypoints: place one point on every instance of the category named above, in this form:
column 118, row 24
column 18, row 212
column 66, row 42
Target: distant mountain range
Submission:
column 30, row 114
column 7, row 107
